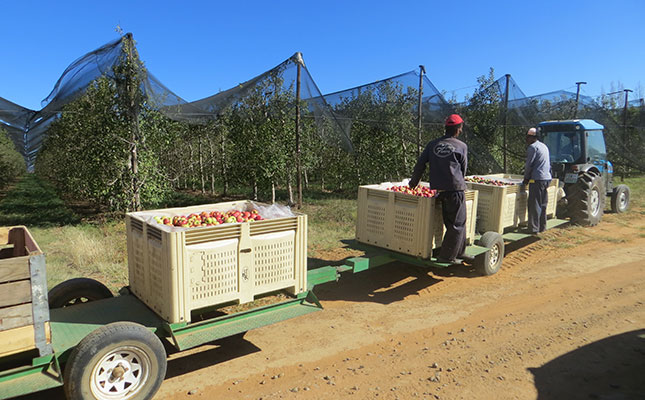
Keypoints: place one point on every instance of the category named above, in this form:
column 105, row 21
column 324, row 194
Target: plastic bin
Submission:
column 176, row 271
column 502, row 207
column 405, row 223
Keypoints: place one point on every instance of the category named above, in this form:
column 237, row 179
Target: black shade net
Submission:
column 28, row 128
column 358, row 118
column 280, row 79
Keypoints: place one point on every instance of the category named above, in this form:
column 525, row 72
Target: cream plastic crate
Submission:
column 405, row 223
column 176, row 272
column 501, row 207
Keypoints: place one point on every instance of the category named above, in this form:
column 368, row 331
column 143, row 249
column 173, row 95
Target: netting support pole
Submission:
column 624, row 169
column 575, row 112
column 298, row 166
column 508, row 80
column 422, row 70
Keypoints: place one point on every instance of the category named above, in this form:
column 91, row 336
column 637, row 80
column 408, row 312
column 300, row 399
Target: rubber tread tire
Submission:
column 63, row 293
column 615, row 195
column 578, row 194
column 482, row 262
column 94, row 346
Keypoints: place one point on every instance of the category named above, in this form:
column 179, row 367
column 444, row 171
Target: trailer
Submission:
column 102, row 347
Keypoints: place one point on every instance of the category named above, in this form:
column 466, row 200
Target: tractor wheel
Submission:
column 121, row 360
column 76, row 291
column 586, row 200
column 491, row 261
column 620, row 199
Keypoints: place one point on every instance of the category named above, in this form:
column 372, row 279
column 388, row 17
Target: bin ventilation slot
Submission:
column 136, row 224
column 269, row 226
column 154, row 233
column 213, row 233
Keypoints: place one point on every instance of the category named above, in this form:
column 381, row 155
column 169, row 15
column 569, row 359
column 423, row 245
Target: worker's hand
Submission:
column 525, row 182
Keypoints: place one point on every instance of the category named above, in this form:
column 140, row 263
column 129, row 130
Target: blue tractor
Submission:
column 579, row 160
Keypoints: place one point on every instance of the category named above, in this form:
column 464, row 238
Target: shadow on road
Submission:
column 227, row 349
column 611, row 368
column 387, row 284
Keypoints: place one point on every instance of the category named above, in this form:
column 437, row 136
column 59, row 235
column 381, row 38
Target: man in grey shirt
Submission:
column 537, row 174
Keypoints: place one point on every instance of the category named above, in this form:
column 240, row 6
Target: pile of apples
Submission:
column 421, row 191
column 488, row 181
column 211, row 218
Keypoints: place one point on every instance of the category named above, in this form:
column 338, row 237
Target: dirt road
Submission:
column 563, row 319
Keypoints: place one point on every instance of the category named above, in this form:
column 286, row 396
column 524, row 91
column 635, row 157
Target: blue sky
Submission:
column 201, row 47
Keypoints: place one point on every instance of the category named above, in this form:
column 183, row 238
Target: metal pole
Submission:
column 622, row 177
column 422, row 70
column 508, row 79
column 298, row 167
column 575, row 112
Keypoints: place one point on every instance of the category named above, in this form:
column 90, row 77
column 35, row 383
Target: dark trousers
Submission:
column 453, row 206
column 538, row 200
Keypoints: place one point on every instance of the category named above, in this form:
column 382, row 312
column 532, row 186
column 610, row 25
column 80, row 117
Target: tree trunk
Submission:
column 182, row 172
column 210, row 146
column 255, row 189
column 135, row 202
column 201, row 165
column 405, row 157
column 192, row 166
column 290, row 189
column 306, row 179
column 224, row 175
column 272, row 191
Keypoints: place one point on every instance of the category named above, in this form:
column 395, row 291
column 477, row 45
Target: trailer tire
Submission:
column 121, row 360
column 76, row 291
column 620, row 199
column 491, row 261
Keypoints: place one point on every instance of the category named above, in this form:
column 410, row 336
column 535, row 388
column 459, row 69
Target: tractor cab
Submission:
column 579, row 160
column 577, row 146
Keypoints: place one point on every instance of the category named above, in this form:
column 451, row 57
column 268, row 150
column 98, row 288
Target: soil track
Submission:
column 563, row 319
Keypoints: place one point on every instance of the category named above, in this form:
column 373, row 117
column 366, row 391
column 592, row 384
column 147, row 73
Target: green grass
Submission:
column 85, row 250
column 32, row 202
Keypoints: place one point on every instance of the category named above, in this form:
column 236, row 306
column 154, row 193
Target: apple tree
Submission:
column 12, row 165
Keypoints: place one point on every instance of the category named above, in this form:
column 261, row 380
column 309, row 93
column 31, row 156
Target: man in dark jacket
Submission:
column 447, row 157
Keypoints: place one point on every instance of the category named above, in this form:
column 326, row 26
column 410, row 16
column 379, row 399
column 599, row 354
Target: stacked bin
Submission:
column 406, row 223
column 502, row 207
column 175, row 271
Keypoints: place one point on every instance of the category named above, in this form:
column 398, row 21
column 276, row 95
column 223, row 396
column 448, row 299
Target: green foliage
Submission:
column 12, row 165
column 482, row 113
column 383, row 133
column 89, row 150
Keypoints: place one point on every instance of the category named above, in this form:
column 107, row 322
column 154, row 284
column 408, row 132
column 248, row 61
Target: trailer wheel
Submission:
column 76, row 291
column 620, row 199
column 491, row 261
column 121, row 360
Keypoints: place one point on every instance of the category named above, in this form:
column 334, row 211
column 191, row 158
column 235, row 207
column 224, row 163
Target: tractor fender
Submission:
column 588, row 168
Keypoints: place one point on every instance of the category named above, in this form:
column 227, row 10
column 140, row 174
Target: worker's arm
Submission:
column 464, row 162
column 528, row 167
column 419, row 168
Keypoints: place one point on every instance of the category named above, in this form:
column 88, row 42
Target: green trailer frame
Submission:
column 70, row 325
